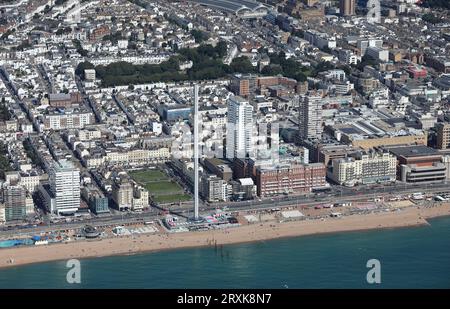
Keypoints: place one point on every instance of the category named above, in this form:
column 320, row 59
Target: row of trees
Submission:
column 206, row 59
column 207, row 64
column 31, row 153
column 287, row 67
column 431, row 18
column 4, row 113
column 65, row 30
column 83, row 52
column 4, row 161
column 445, row 4
column 113, row 37
column 199, row 36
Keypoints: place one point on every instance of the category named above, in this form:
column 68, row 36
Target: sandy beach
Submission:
column 411, row 216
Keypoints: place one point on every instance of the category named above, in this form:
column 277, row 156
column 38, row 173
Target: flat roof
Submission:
column 414, row 151
column 351, row 130
column 246, row 181
column 59, row 96
column 292, row 214
column 233, row 6
column 217, row 161
column 176, row 107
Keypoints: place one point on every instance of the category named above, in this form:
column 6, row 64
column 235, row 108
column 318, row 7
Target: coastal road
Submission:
column 364, row 195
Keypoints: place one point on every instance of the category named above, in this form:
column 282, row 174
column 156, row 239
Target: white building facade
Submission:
column 239, row 128
column 65, row 186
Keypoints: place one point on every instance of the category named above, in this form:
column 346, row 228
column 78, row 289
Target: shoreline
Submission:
column 147, row 243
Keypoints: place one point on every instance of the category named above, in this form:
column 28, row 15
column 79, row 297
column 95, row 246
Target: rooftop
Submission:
column 233, row 6
column 414, row 151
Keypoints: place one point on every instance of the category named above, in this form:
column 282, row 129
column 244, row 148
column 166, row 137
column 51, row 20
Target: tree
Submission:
column 289, row 67
column 199, row 36
column 83, row 52
column 5, row 166
column 242, row 65
column 207, row 50
column 4, row 113
column 445, row 4
column 323, row 66
column 271, row 70
column 430, row 18
column 113, row 37
column 221, row 49
column 346, row 69
column 206, row 59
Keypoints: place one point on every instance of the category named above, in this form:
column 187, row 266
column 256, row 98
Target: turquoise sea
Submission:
column 417, row 257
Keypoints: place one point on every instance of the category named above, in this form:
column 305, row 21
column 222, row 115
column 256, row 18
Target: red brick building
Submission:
column 416, row 72
column 99, row 33
column 64, row 100
column 289, row 178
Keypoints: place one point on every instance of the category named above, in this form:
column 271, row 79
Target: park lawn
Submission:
column 145, row 176
column 160, row 187
column 172, row 198
column 163, row 187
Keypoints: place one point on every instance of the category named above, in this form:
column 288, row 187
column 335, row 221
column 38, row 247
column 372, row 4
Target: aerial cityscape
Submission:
column 132, row 126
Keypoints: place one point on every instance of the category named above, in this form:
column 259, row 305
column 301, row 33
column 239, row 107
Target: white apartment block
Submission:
column 136, row 157
column 365, row 168
column 67, row 121
column 65, row 186
column 30, row 182
column 239, row 128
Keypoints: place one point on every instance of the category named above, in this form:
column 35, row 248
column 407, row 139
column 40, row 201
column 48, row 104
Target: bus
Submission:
column 321, row 190
column 417, row 196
